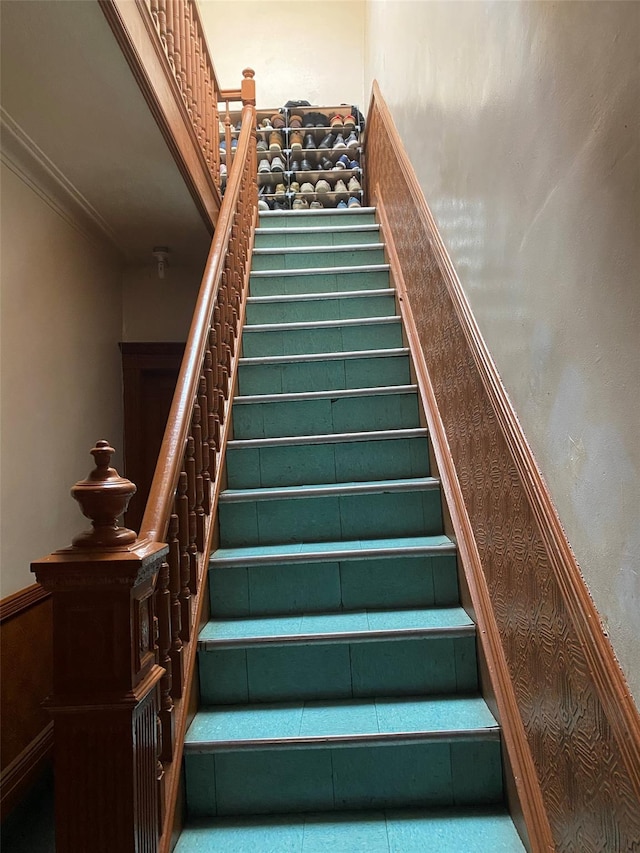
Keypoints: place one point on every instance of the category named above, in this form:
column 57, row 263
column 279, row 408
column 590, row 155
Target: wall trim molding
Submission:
column 16, row 603
column 582, row 726
column 18, row 776
column 29, row 163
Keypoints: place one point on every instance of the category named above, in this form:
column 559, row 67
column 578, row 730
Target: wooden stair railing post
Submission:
column 106, row 678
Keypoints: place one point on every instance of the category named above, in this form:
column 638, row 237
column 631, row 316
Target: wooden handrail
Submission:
column 126, row 606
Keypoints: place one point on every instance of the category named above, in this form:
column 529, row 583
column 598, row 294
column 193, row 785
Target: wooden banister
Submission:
column 127, row 608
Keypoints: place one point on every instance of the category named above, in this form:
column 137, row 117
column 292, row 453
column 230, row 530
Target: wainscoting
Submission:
column 573, row 730
column 26, row 660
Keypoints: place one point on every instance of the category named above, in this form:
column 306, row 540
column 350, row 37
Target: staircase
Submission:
column 338, row 674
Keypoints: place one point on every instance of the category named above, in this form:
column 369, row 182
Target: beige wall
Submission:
column 60, row 371
column 521, row 120
column 156, row 309
column 299, row 49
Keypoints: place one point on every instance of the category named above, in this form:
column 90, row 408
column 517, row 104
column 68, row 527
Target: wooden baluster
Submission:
column 153, row 8
column 170, row 26
column 177, row 665
column 196, row 433
column 182, row 511
column 203, row 400
column 190, row 467
column 197, row 92
column 227, row 139
column 211, row 375
column 162, row 22
column 182, row 54
column 223, row 378
column 188, row 60
column 163, row 617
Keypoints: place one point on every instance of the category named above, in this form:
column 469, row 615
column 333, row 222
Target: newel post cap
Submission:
column 103, row 497
column 248, row 86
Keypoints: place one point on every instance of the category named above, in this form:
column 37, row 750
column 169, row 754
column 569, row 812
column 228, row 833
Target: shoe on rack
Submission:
column 336, row 122
column 264, row 166
column 277, row 164
column 280, row 205
column 223, row 170
column 352, row 140
column 323, row 186
column 295, row 121
column 306, row 165
column 315, row 205
column 354, row 165
column 275, row 141
column 265, row 124
column 281, row 192
column 295, row 140
column 354, row 185
column 341, row 189
column 309, row 120
column 339, row 143
column 341, row 204
column 265, row 189
column 327, row 142
column 349, row 122
column 353, row 202
column 326, row 164
column 342, row 162
column 263, row 205
column 294, row 187
column 261, row 145
column 277, row 121
column 306, row 187
column 300, row 204
column 309, row 141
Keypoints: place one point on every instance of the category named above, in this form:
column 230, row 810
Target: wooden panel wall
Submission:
column 26, row 734
column 582, row 727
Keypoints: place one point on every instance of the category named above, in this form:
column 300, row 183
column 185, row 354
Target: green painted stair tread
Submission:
column 300, row 250
column 292, row 298
column 310, row 627
column 340, row 721
column 453, row 830
column 320, row 490
column 321, row 336
column 354, row 271
column 316, row 236
column 333, row 438
column 321, row 229
column 300, row 358
column 297, row 552
column 257, row 328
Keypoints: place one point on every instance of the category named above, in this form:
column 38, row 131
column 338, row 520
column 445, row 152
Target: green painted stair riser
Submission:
column 300, row 220
column 345, row 670
column 278, row 341
column 291, row 465
column 332, row 585
column 316, row 238
column 263, row 781
column 325, row 415
column 331, row 374
column 324, row 281
column 306, row 310
column 286, row 260
column 319, row 519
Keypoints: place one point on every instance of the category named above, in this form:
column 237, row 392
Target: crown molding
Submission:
column 29, row 163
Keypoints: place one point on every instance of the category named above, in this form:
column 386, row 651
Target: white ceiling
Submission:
column 67, row 85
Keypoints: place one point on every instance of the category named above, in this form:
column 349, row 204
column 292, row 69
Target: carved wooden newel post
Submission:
column 105, row 679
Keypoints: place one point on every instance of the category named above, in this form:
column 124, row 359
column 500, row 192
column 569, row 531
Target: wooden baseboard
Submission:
column 19, row 602
column 24, row 770
column 582, row 727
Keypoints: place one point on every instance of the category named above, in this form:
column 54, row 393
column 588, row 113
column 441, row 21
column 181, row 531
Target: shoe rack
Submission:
column 308, row 157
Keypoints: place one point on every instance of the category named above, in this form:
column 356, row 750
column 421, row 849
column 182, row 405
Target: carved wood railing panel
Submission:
column 582, row 728
column 127, row 608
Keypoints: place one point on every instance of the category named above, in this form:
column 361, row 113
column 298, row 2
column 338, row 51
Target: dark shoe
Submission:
column 342, row 162
column 327, row 142
column 294, row 166
column 309, row 141
column 326, row 163
column 306, row 166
